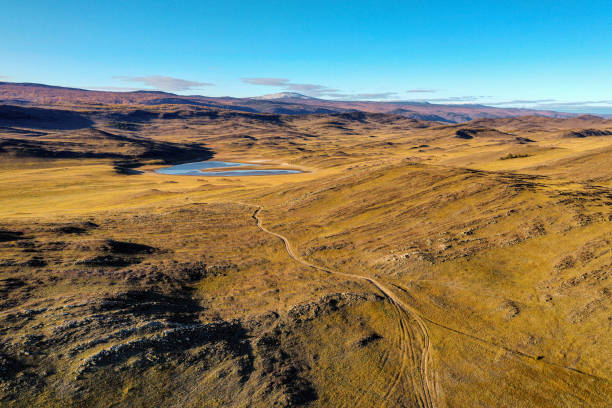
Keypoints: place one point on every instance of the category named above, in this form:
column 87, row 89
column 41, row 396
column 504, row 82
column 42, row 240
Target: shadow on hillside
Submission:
column 39, row 118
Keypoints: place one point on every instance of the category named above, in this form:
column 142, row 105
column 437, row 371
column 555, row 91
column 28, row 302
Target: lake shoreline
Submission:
column 215, row 168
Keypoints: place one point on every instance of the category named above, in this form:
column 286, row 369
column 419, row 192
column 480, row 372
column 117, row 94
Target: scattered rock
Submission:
column 511, row 309
column 566, row 262
column 328, row 303
column 106, row 260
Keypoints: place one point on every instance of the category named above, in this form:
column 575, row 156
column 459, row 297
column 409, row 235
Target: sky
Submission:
column 540, row 54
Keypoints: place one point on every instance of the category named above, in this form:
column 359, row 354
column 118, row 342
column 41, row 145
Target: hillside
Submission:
column 283, row 103
column 412, row 263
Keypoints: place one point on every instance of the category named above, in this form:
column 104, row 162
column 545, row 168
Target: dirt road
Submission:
column 415, row 345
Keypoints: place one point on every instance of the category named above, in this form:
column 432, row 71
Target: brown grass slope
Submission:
column 425, row 264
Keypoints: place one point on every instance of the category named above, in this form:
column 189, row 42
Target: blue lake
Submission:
column 196, row 169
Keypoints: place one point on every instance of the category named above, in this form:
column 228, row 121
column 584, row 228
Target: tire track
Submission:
column 499, row 346
column 424, row 385
column 405, row 352
column 428, row 376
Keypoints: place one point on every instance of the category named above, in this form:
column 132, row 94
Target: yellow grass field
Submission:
column 409, row 265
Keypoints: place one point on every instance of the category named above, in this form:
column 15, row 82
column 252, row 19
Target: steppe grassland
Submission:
column 481, row 254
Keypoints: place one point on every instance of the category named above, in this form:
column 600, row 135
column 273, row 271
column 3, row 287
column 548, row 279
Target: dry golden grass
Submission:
column 506, row 262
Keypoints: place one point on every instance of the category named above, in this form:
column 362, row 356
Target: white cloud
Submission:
column 165, row 83
column 266, row 81
column 522, row 102
column 315, row 89
column 373, row 95
column 308, row 89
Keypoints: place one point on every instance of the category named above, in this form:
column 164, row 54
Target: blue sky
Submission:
column 549, row 54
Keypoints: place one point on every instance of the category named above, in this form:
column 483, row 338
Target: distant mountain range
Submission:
column 290, row 103
column 285, row 95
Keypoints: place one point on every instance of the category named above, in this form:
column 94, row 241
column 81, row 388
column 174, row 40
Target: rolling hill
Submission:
column 411, row 263
column 283, row 103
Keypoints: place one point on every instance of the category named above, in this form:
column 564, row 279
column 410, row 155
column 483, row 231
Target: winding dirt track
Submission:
column 414, row 337
column 415, row 345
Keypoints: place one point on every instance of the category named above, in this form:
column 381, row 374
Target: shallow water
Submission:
column 195, row 169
